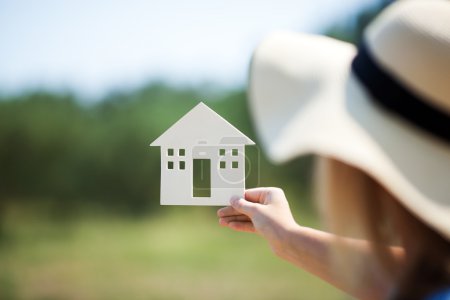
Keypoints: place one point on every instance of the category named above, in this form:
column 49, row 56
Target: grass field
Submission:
column 182, row 254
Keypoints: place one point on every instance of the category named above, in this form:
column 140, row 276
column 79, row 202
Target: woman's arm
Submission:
column 266, row 211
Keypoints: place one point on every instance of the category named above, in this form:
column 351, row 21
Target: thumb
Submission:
column 243, row 206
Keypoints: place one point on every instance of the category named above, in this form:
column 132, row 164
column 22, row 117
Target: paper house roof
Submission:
column 202, row 125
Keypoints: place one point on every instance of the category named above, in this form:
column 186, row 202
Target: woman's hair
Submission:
column 354, row 205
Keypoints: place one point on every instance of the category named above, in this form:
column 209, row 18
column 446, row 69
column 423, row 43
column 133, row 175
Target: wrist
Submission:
column 285, row 242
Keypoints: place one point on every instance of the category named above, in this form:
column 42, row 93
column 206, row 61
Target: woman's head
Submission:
column 353, row 204
column 385, row 111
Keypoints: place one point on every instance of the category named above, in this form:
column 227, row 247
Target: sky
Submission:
column 94, row 46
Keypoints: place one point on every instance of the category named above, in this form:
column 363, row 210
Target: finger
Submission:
column 242, row 226
column 262, row 195
column 235, row 218
column 243, row 206
column 227, row 211
column 228, row 220
column 256, row 195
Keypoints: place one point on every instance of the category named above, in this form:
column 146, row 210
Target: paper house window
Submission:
column 203, row 161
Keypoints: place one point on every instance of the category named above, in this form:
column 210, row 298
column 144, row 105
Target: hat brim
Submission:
column 304, row 99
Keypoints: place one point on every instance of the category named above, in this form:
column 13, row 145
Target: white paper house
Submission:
column 202, row 160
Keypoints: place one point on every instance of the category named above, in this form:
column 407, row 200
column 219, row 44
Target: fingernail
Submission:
column 234, row 200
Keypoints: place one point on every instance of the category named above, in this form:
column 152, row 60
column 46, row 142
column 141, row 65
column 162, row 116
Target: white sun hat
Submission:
column 384, row 108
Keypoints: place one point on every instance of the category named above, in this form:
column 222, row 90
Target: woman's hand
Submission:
column 264, row 211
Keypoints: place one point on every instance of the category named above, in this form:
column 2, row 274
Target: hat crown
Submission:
column 411, row 41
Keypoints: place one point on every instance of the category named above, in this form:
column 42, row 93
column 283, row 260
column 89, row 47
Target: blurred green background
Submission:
column 79, row 201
